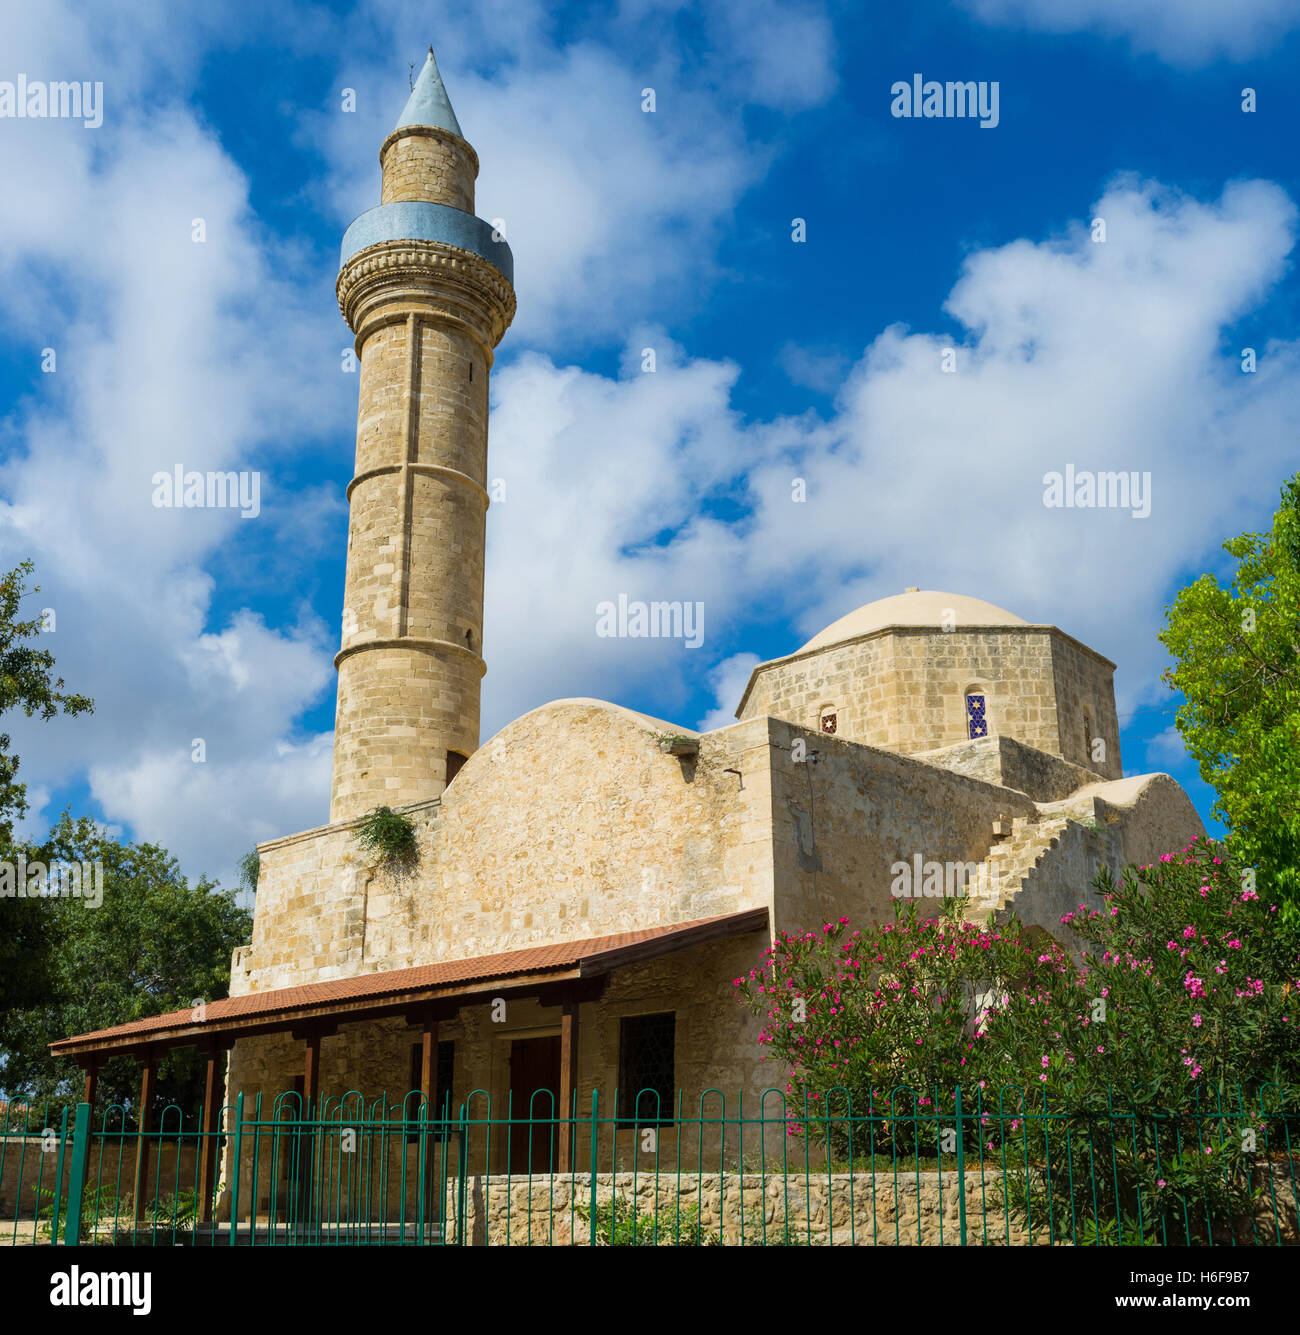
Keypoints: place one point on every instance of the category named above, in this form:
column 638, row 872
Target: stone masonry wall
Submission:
column 570, row 823
column 1010, row 764
column 840, row 824
column 169, row 1173
column 905, row 688
column 852, row 679
column 427, row 163
column 839, row 1209
column 1085, row 685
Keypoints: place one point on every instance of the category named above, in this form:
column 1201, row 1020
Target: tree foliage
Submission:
column 1237, row 664
column 27, row 682
column 155, row 944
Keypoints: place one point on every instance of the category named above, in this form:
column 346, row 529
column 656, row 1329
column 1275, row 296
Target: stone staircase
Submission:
column 1012, row 863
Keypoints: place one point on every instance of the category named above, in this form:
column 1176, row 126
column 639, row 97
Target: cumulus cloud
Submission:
column 220, row 354
column 821, row 369
column 1165, row 750
column 608, row 207
column 645, row 484
column 727, row 681
column 1067, row 352
column 212, row 355
column 1183, row 32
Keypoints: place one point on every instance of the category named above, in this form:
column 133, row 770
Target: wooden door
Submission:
column 535, row 1084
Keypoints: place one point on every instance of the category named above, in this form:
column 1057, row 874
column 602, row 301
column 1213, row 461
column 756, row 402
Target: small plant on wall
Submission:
column 389, row 836
column 250, row 868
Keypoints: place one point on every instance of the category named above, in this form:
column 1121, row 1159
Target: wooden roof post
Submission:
column 429, row 1061
column 568, row 1081
column 429, row 1088
column 91, row 1065
column 211, row 1129
column 306, row 1132
column 311, row 1072
column 148, row 1086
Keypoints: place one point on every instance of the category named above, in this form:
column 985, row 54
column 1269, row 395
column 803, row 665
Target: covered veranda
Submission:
column 570, row 976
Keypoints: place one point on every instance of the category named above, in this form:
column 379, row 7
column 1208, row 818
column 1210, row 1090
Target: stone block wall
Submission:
column 1008, row 763
column 840, row 824
column 424, row 162
column 1113, row 825
column 904, row 688
column 110, row 1166
column 1085, row 687
column 839, row 1209
column 855, row 680
column 570, row 823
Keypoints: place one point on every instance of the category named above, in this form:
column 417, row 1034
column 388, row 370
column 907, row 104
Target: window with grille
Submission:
column 646, row 1090
column 977, row 720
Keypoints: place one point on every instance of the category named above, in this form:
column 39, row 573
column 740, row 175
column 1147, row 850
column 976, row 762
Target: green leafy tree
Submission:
column 1237, row 664
column 27, row 682
column 155, row 944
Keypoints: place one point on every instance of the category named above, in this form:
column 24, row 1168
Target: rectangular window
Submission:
column 647, row 1092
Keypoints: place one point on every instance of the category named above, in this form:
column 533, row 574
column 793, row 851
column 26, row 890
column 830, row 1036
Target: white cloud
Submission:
column 727, row 681
column 221, row 355
column 243, row 795
column 1105, row 356
column 1183, row 32
column 1166, row 750
column 821, row 369
column 212, row 355
column 608, row 208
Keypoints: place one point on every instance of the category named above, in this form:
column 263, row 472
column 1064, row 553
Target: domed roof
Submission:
column 916, row 607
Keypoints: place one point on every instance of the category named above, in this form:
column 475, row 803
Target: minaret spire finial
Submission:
column 429, row 103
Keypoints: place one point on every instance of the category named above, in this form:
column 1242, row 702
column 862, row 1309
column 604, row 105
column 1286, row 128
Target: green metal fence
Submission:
column 964, row 1167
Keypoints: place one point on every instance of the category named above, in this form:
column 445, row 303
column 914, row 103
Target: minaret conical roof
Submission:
column 429, row 103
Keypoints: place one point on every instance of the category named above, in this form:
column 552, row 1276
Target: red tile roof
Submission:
column 588, row 958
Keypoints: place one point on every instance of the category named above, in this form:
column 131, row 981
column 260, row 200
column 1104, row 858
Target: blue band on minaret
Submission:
column 418, row 220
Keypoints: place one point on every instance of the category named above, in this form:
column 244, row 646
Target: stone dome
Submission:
column 916, row 607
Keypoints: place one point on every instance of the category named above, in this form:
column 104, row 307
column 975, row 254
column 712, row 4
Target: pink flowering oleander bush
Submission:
column 1199, row 977
column 1176, row 1004
column 909, row 1006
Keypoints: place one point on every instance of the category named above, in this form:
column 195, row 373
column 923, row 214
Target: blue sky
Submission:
column 670, row 230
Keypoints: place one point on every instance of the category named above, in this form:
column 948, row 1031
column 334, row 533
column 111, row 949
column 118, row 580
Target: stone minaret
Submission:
column 426, row 288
